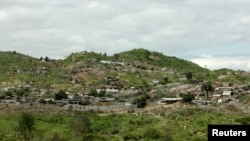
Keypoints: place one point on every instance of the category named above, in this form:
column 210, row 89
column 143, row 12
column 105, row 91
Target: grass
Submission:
column 186, row 124
column 134, row 80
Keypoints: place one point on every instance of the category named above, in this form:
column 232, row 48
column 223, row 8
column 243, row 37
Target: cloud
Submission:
column 218, row 62
column 57, row 28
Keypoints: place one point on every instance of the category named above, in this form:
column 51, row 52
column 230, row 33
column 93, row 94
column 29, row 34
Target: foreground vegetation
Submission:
column 181, row 125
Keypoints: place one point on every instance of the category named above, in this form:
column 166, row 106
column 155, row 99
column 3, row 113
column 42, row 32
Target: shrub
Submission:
column 244, row 120
column 60, row 95
column 93, row 137
column 187, row 98
column 26, row 124
column 80, row 124
column 152, row 134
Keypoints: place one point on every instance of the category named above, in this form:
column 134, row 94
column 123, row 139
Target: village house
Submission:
column 169, row 100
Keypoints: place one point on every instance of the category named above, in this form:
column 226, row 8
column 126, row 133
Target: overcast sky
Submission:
column 212, row 33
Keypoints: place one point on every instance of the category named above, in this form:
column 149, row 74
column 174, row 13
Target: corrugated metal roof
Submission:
column 227, row 93
column 172, row 99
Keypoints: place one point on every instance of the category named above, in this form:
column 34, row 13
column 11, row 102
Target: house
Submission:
column 224, row 88
column 111, row 91
column 201, row 102
column 107, row 99
column 216, row 95
column 227, row 93
column 227, row 84
column 156, row 81
column 169, row 100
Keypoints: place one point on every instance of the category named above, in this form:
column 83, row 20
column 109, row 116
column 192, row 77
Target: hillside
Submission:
column 120, row 97
column 141, row 60
column 12, row 60
column 140, row 56
column 160, row 60
column 85, row 56
column 17, row 68
column 140, row 68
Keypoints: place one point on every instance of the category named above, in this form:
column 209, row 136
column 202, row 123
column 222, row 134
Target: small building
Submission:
column 227, row 93
column 107, row 99
column 169, row 100
column 201, row 102
column 216, row 95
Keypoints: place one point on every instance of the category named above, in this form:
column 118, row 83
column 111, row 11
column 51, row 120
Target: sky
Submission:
column 213, row 34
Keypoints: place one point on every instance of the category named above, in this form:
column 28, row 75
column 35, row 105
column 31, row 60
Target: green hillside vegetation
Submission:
column 85, row 56
column 234, row 76
column 134, row 80
column 156, row 59
column 9, row 61
column 141, row 69
column 187, row 124
column 160, row 60
column 17, row 68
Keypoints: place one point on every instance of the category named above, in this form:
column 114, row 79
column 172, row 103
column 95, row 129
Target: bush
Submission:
column 187, row 98
column 80, row 123
column 152, row 134
column 244, row 120
column 93, row 137
column 61, row 95
column 26, row 124
column 131, row 136
column 93, row 92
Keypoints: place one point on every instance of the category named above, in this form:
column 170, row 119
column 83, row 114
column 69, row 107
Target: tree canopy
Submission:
column 207, row 87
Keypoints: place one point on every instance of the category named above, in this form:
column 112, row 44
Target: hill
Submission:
column 160, row 60
column 140, row 68
column 143, row 57
column 17, row 68
column 85, row 56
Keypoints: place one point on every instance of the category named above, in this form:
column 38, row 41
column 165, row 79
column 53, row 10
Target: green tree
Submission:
column 61, row 95
column 25, row 125
column 46, row 59
column 93, row 92
column 141, row 102
column 207, row 87
column 187, row 98
column 189, row 75
column 20, row 92
column 8, row 93
column 165, row 80
column 102, row 93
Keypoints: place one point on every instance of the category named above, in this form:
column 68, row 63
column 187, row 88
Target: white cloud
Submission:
column 58, row 27
column 3, row 15
column 218, row 62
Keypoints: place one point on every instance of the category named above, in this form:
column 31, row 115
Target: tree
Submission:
column 116, row 56
column 61, row 95
column 8, row 93
column 102, row 93
column 187, row 98
column 141, row 102
column 189, row 75
column 20, row 92
column 165, row 80
column 25, row 126
column 46, row 59
column 93, row 92
column 207, row 87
